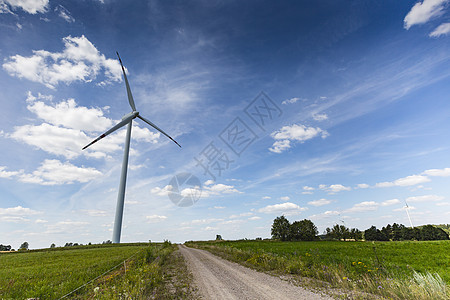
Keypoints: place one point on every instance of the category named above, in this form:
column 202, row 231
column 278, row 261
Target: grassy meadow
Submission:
column 396, row 270
column 53, row 273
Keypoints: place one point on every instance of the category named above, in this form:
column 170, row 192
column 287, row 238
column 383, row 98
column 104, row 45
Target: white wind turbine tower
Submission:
column 127, row 119
column 407, row 212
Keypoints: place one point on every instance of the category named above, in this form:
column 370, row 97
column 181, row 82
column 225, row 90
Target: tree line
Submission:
column 305, row 230
column 399, row 232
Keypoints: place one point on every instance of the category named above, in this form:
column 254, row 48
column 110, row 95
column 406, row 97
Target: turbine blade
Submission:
column 119, row 125
column 130, row 96
column 157, row 128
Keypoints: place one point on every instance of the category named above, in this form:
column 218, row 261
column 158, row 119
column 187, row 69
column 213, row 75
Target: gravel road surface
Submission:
column 217, row 278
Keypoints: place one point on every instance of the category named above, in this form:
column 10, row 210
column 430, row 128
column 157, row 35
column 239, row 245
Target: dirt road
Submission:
column 217, row 278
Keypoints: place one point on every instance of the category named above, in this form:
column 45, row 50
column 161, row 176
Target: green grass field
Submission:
column 52, row 273
column 374, row 267
column 403, row 257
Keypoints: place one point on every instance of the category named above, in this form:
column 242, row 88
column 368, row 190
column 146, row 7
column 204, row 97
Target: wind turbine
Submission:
column 406, row 208
column 127, row 119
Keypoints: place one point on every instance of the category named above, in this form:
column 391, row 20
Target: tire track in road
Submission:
column 217, row 278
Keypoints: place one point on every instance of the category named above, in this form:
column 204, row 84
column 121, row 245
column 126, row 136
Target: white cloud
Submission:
column 68, row 114
column 136, row 167
column 209, row 182
column 307, row 190
column 254, row 218
column 443, row 204
column 296, row 132
column 95, row 212
column 326, row 214
column 334, row 188
column 16, row 214
column 232, row 222
column 40, row 221
column 443, row 29
column 320, row 202
column 196, row 192
column 29, row 6
column 405, row 181
column 63, row 136
column 390, row 202
column 52, row 139
column 64, row 13
column 285, row 198
column 247, row 214
column 280, row 146
column 422, row 12
column 4, row 9
column 287, row 208
column 424, row 198
column 209, row 228
column 267, row 197
column 54, row 172
column 18, row 211
column 79, row 61
column 320, row 117
column 162, row 191
column 290, row 101
column 155, row 218
column 7, row 174
column 363, row 186
column 363, row 207
column 203, row 221
column 220, row 188
column 438, row 172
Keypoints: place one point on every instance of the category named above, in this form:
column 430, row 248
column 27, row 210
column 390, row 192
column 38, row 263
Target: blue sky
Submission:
column 334, row 111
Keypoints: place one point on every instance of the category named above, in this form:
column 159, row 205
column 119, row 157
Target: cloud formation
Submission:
column 425, row 198
column 54, row 172
column 319, row 202
column 29, row 6
column 405, row 181
column 64, row 127
column 290, row 101
column 297, row 132
column 363, row 207
column 334, row 188
column 79, row 61
column 424, row 11
column 64, row 13
column 443, row 29
column 287, row 208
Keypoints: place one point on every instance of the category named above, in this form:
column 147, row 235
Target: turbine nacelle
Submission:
column 132, row 114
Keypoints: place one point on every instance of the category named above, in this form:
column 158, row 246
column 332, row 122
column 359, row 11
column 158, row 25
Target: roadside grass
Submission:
column 53, row 273
column 158, row 273
column 396, row 270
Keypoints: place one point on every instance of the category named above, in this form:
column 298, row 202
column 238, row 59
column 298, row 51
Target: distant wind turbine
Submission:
column 407, row 212
column 127, row 119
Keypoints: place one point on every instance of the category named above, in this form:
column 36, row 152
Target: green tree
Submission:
column 397, row 232
column 356, row 234
column 280, row 228
column 5, row 247
column 371, row 234
column 303, row 230
column 432, row 233
column 24, row 246
column 52, row 246
column 387, row 232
